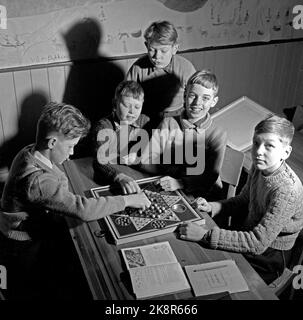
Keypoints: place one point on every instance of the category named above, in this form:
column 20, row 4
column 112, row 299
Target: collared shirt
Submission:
column 40, row 156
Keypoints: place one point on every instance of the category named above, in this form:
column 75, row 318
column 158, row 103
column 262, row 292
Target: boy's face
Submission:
column 128, row 108
column 198, row 101
column 160, row 54
column 268, row 152
column 61, row 148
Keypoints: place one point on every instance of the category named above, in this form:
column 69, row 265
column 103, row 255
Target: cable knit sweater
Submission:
column 33, row 191
column 274, row 218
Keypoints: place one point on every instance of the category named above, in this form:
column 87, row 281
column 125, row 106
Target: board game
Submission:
column 168, row 209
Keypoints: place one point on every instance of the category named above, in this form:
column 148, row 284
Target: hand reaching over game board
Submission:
column 192, row 231
column 128, row 184
column 138, row 200
column 170, row 184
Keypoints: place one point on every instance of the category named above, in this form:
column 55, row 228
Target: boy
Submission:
column 192, row 130
column 36, row 189
column 270, row 204
column 162, row 73
column 115, row 134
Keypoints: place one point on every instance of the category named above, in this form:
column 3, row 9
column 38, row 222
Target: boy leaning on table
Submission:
column 37, row 191
column 270, row 205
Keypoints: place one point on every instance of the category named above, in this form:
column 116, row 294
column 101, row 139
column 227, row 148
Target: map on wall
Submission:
column 44, row 31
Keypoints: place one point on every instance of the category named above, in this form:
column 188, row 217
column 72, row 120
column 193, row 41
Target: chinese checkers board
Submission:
column 168, row 209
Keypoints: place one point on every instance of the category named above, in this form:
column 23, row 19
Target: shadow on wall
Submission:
column 30, row 111
column 91, row 82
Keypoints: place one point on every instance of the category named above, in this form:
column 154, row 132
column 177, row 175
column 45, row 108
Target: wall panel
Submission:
column 270, row 74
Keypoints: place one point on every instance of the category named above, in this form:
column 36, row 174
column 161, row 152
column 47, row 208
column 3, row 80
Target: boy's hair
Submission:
column 206, row 79
column 277, row 125
column 64, row 119
column 129, row 88
column 162, row 32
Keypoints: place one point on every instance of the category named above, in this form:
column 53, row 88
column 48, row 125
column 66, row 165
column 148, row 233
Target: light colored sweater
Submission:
column 34, row 190
column 274, row 218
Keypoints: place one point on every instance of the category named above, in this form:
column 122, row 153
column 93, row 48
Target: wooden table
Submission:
column 102, row 262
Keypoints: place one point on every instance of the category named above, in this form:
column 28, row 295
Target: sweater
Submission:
column 177, row 137
column 274, row 217
column 163, row 88
column 33, row 191
column 109, row 154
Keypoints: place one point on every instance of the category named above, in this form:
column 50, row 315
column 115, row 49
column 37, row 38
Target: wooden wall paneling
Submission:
column 56, row 77
column 9, row 123
column 295, row 73
column 40, row 82
column 8, row 105
column 263, row 76
column 277, row 78
column 285, row 76
column 23, row 87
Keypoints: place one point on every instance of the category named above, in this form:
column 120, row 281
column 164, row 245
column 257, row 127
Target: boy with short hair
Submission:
column 36, row 191
column 114, row 136
column 193, row 131
column 162, row 73
column 270, row 204
column 35, row 184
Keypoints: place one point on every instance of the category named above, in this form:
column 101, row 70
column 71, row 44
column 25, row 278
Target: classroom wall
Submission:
column 269, row 74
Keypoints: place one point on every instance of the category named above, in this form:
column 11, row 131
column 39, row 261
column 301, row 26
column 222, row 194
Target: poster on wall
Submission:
column 44, row 31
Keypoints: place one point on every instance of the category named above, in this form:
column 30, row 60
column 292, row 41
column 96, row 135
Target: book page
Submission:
column 158, row 280
column 214, row 277
column 149, row 255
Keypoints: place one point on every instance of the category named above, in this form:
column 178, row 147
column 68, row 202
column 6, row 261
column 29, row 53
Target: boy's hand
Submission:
column 170, row 184
column 202, row 204
column 129, row 159
column 128, row 184
column 139, row 201
column 191, row 231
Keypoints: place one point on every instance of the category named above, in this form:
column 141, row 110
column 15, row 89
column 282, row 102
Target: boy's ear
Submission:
column 51, row 142
column 287, row 152
column 175, row 48
column 214, row 102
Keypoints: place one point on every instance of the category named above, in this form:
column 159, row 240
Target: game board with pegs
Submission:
column 168, row 209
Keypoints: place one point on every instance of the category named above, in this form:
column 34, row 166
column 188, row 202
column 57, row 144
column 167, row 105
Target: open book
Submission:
column 154, row 270
column 214, row 277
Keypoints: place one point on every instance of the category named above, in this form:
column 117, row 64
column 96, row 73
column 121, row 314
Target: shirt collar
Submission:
column 201, row 124
column 167, row 69
column 38, row 155
column 118, row 125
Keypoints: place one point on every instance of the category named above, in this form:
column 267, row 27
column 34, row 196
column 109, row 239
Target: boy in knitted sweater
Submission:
column 116, row 134
column 270, row 205
column 36, row 190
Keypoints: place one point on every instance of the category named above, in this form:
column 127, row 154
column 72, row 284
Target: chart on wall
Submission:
column 45, row 31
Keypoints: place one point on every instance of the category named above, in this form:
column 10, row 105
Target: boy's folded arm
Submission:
column 278, row 215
